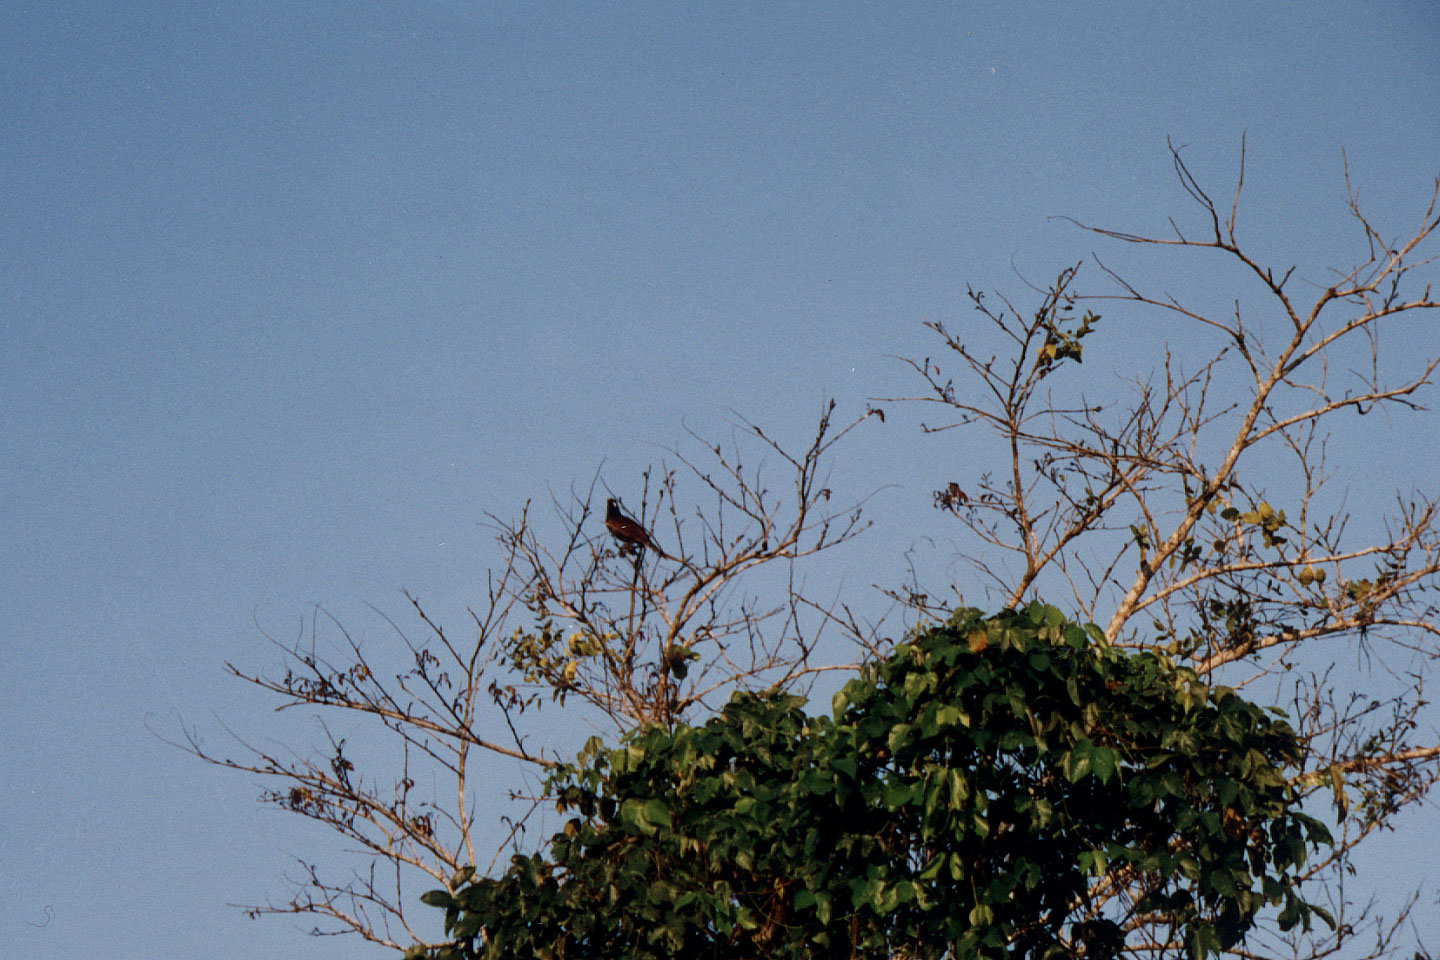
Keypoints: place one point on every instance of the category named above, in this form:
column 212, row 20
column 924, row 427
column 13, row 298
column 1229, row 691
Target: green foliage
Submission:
column 964, row 799
column 1264, row 518
column 545, row 656
column 1060, row 343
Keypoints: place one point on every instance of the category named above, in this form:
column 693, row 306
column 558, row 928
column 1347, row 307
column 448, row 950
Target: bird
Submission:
column 627, row 530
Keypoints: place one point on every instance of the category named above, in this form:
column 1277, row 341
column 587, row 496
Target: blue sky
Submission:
column 291, row 294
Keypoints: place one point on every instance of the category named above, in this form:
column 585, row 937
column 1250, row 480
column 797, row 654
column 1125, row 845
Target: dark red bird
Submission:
column 626, row 530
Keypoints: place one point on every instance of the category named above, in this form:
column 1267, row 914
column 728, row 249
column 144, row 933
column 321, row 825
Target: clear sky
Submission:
column 292, row 293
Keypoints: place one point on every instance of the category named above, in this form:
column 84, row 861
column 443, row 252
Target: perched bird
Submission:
column 626, row 530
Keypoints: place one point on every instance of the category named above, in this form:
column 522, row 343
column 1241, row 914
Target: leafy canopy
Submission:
column 965, row 798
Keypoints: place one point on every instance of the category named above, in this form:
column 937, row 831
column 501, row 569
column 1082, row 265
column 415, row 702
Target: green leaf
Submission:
column 1106, row 763
column 899, row 737
column 959, row 788
column 1201, row 941
column 1337, row 787
column 899, row 795
column 1078, row 761
column 633, row 815
column 437, row 898
column 467, row 927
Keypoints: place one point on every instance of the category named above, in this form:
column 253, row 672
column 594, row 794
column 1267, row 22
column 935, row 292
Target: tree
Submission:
column 1153, row 514
column 1192, row 518
column 605, row 630
column 976, row 794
